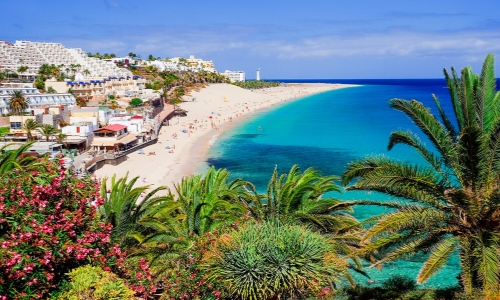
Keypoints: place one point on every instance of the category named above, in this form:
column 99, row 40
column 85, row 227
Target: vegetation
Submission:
column 103, row 56
column 453, row 200
column 29, row 126
column 18, row 103
column 47, row 131
column 215, row 238
column 136, row 102
column 89, row 282
column 120, row 208
column 273, row 261
column 256, row 84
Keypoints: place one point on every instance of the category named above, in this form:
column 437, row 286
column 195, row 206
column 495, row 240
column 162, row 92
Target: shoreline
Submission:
column 223, row 106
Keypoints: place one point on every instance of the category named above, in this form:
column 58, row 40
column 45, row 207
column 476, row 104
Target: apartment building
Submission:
column 33, row 97
column 35, row 54
column 98, row 88
column 235, row 76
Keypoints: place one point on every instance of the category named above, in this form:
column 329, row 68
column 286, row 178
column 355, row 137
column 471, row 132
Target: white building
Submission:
column 35, row 54
column 235, row 76
column 79, row 135
column 97, row 89
column 33, row 96
column 134, row 123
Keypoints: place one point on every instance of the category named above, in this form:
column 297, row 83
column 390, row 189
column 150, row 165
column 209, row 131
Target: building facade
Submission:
column 34, row 98
column 34, row 54
column 235, row 76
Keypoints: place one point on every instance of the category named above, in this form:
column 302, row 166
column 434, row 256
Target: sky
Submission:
column 292, row 39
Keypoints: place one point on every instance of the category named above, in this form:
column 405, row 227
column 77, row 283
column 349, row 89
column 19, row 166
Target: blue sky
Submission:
column 286, row 39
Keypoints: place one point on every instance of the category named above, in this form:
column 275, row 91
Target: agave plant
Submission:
column 452, row 203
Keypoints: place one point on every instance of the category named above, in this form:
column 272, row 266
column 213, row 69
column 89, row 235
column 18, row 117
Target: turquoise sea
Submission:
column 326, row 131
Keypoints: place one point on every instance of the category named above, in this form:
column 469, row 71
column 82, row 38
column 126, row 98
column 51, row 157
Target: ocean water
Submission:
column 327, row 131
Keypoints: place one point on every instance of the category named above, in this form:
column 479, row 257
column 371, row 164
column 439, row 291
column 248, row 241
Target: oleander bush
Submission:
column 48, row 227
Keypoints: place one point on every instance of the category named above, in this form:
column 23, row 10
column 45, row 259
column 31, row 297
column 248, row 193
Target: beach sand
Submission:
column 214, row 109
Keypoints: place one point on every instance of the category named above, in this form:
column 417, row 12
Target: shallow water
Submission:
column 327, row 131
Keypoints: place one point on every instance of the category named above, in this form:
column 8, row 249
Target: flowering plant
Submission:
column 48, row 227
column 185, row 279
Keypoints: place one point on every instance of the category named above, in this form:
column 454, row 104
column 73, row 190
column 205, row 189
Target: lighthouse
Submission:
column 258, row 74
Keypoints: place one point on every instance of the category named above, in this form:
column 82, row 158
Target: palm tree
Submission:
column 451, row 204
column 22, row 69
column 86, row 72
column 14, row 159
column 211, row 201
column 47, row 130
column 18, row 103
column 297, row 197
column 29, row 126
column 124, row 206
column 203, row 204
column 61, row 137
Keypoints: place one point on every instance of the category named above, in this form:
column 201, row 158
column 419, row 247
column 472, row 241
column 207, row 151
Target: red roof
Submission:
column 136, row 117
column 114, row 127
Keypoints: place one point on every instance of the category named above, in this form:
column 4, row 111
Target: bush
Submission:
column 48, row 227
column 268, row 260
column 94, row 283
column 184, row 278
column 136, row 102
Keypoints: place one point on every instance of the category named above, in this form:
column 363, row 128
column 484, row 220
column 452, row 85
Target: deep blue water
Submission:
column 327, row 131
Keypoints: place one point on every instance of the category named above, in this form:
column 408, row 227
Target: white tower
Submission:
column 258, row 74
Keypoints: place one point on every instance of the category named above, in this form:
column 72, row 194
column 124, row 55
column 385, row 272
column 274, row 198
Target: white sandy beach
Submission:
column 222, row 105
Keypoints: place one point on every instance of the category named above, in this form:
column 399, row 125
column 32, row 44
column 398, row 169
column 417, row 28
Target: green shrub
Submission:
column 94, row 283
column 136, row 102
column 271, row 260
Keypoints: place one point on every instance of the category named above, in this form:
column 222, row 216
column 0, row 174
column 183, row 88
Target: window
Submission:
column 15, row 125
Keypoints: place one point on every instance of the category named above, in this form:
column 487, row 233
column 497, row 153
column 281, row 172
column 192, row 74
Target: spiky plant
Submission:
column 453, row 201
column 299, row 197
column 14, row 159
column 201, row 204
column 125, row 205
column 270, row 260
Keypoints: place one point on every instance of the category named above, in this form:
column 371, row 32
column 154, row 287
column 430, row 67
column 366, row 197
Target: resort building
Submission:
column 235, row 76
column 113, row 138
column 16, row 124
column 34, row 54
column 54, row 115
column 84, row 115
column 97, row 89
column 194, row 64
column 134, row 123
column 33, row 97
column 79, row 135
column 169, row 65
